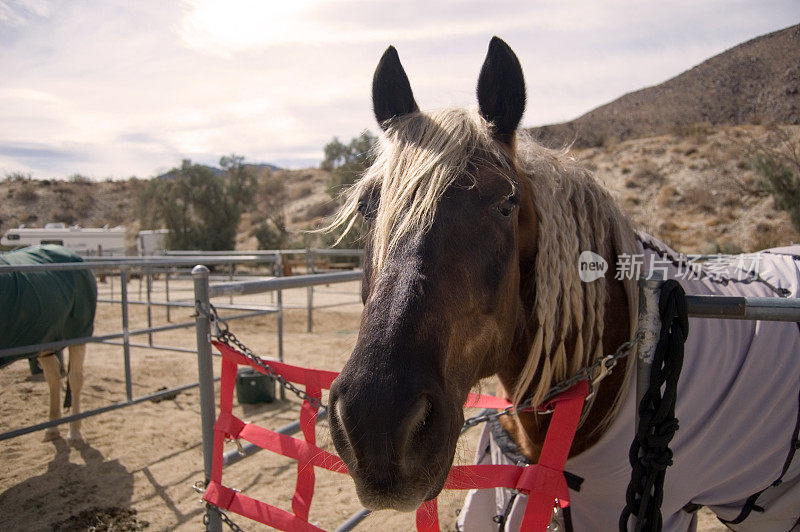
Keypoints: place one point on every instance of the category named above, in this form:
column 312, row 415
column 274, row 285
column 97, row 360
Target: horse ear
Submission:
column 501, row 90
column 391, row 91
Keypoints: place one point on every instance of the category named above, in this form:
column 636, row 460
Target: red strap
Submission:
column 287, row 371
column 550, row 483
column 256, row 510
column 544, row 482
column 475, row 400
column 304, row 491
column 428, row 517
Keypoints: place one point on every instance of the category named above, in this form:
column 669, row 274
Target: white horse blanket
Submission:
column 738, row 407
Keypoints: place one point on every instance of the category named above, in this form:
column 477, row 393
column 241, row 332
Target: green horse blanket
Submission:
column 44, row 306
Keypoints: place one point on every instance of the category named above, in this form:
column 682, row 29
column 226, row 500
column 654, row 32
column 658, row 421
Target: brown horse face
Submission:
column 438, row 316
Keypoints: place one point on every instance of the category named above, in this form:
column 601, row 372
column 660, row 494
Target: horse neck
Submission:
column 528, row 429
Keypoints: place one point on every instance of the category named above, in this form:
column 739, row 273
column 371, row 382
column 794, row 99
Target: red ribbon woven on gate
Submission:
column 544, row 482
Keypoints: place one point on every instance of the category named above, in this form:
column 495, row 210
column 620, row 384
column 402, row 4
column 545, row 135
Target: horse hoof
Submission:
column 51, row 434
column 75, row 438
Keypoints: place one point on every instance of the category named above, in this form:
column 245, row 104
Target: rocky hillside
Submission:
column 693, row 189
column 757, row 82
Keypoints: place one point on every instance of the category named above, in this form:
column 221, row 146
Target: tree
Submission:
column 272, row 232
column 779, row 171
column 347, row 162
column 201, row 209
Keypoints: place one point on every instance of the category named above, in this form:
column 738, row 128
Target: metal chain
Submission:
column 223, row 517
column 223, row 334
column 606, row 364
column 200, row 487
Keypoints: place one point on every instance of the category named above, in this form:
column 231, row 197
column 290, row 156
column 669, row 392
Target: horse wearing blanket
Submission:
column 471, row 270
column 48, row 306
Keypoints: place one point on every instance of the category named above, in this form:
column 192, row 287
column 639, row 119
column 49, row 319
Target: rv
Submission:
column 82, row 240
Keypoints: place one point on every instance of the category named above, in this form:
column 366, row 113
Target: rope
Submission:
column 650, row 454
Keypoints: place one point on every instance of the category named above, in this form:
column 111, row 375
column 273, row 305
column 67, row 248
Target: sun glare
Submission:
column 226, row 27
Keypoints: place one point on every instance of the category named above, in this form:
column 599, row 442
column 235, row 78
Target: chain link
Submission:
column 223, row 334
column 605, row 364
column 223, row 517
column 200, row 487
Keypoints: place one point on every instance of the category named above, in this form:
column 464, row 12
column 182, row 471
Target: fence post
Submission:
column 205, row 371
column 126, row 337
column 166, row 288
column 279, row 271
column 149, row 300
column 310, row 268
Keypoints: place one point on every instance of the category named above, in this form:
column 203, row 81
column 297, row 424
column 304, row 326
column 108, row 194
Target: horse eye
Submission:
column 506, row 208
column 366, row 210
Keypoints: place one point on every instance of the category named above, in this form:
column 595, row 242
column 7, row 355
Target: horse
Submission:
column 471, row 271
column 49, row 306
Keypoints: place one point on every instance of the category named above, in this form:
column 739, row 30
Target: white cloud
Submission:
column 120, row 88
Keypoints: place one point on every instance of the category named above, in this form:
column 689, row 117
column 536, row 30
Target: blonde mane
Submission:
column 422, row 154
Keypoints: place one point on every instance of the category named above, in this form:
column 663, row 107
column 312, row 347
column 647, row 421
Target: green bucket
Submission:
column 253, row 387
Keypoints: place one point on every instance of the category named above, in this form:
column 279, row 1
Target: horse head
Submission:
column 468, row 273
column 441, row 282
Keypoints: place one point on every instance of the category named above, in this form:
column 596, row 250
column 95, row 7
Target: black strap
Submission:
column 650, row 454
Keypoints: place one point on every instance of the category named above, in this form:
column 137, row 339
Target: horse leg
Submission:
column 52, row 375
column 76, row 357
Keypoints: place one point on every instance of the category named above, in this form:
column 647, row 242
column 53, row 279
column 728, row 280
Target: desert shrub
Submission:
column 270, row 237
column 26, row 193
column 781, row 181
column 80, row 179
column 648, row 173
column 697, row 131
column 15, row 177
column 320, row 209
column 201, row 209
column 347, row 162
column 302, row 192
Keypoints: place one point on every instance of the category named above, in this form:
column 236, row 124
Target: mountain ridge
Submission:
column 755, row 82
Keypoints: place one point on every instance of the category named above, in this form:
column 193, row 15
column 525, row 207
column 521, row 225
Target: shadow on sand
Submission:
column 66, row 487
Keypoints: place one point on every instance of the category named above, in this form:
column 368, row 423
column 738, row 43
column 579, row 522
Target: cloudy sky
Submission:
column 120, row 88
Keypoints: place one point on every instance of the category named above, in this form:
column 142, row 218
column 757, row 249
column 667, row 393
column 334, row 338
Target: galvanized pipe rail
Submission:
column 129, row 262
column 203, row 295
column 744, row 308
column 282, row 283
column 121, row 266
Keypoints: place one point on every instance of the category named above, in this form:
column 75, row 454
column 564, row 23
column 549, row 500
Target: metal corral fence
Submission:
column 746, row 308
column 176, row 266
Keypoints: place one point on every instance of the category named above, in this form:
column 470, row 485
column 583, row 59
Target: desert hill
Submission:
column 692, row 188
column 757, row 82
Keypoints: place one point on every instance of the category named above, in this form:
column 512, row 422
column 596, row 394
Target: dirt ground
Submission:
column 145, row 458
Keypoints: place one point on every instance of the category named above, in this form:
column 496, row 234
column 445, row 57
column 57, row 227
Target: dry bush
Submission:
column 647, row 174
column 320, row 209
column 668, row 197
column 301, row 192
column 26, row 193
column 697, row 132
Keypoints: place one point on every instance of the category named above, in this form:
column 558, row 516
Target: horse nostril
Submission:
column 418, row 416
column 415, row 424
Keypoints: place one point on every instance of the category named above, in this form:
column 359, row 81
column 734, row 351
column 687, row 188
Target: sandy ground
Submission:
column 146, row 457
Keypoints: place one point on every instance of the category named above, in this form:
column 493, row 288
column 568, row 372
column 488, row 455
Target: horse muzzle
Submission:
column 398, row 447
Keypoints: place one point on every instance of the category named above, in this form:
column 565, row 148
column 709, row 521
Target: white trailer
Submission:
column 82, row 240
